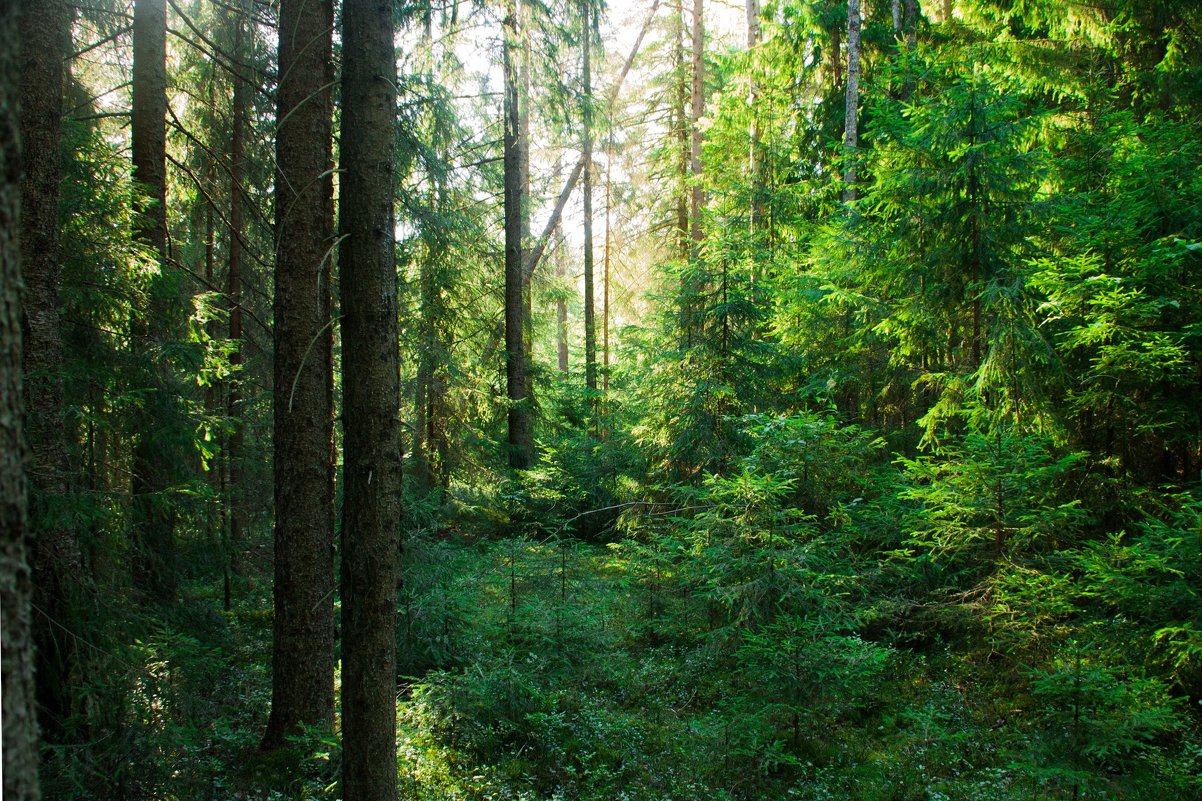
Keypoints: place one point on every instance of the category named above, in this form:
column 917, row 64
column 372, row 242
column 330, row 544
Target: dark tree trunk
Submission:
column 153, row 469
column 590, row 321
column 524, row 171
column 521, row 430
column 233, row 293
column 57, row 565
column 20, row 760
column 303, row 634
column 371, row 424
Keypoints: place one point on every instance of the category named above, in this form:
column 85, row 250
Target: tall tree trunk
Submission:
column 153, row 470
column 910, row 23
column 850, row 133
column 20, row 751
column 302, row 689
column 371, row 405
column 524, row 171
column 605, row 279
column 753, row 132
column 947, row 10
column 521, row 433
column 697, row 111
column 56, row 561
column 233, row 292
column 590, row 322
column 561, row 303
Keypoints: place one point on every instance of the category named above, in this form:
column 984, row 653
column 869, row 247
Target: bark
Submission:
column 233, row 293
column 850, row 133
column 524, row 171
column 910, row 23
column 521, row 433
column 303, row 634
column 561, row 318
column 697, row 110
column 371, row 403
column 590, row 322
column 153, row 469
column 753, row 132
column 947, row 10
column 605, row 279
column 20, row 754
column 56, row 561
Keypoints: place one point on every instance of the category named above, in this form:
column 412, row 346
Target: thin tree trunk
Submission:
column 608, row 257
column 302, row 689
column 753, row 132
column 697, row 110
column 947, row 10
column 590, row 322
column 56, row 560
column 538, row 248
column 850, row 133
column 521, row 433
column 153, row 471
column 371, row 405
column 20, row 751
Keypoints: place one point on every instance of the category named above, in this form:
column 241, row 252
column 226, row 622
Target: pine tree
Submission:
column 371, row 391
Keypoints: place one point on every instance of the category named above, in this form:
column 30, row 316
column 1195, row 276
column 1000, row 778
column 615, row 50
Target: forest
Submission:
column 570, row 400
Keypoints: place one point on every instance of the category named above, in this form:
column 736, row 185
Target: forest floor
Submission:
column 555, row 669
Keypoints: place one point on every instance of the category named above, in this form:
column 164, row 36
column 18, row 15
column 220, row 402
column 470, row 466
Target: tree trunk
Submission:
column 697, row 110
column 371, row 405
column 20, row 751
column 233, row 293
column 605, row 278
column 850, row 134
column 590, row 322
column 153, row 468
column 521, row 434
column 753, row 132
column 524, row 171
column 302, row 690
column 56, row 561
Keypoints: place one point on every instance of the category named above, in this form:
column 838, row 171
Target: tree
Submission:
column 850, row 132
column 520, row 418
column 590, row 322
column 45, row 34
column 154, row 467
column 303, row 634
column 371, row 391
column 20, row 723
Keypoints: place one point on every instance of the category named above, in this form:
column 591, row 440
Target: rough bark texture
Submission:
column 233, row 296
column 55, row 557
column 371, row 422
column 850, row 133
column 153, row 469
column 590, row 322
column 303, row 634
column 20, row 760
column 521, row 430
